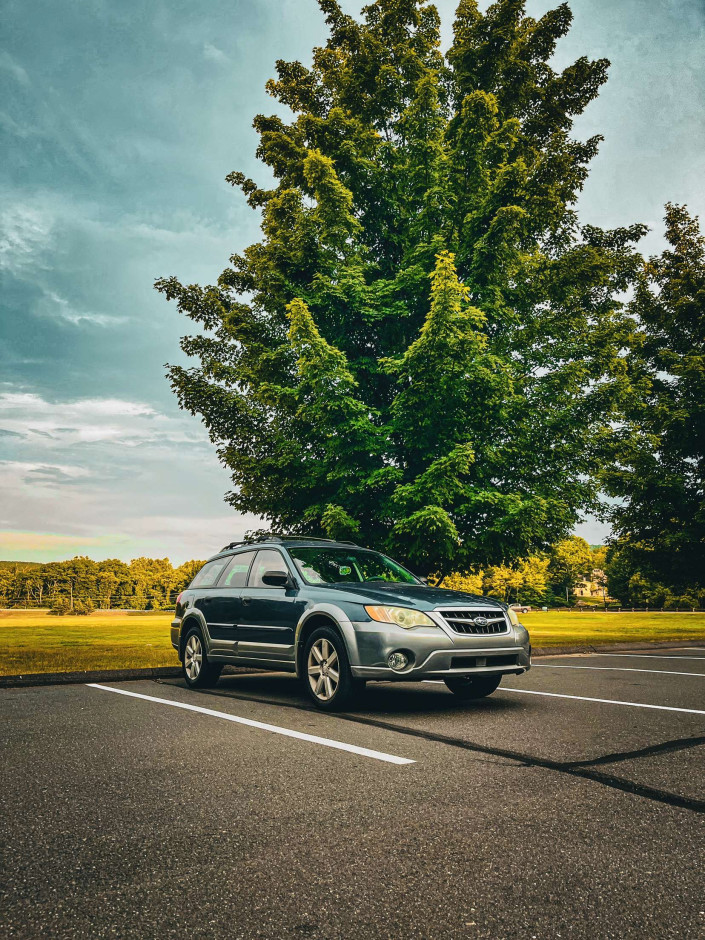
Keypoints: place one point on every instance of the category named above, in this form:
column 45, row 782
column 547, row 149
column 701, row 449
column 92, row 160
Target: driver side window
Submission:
column 266, row 560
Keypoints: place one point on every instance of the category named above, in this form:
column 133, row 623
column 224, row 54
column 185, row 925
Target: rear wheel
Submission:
column 328, row 679
column 470, row 687
column 198, row 671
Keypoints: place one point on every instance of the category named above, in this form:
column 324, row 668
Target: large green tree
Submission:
column 417, row 351
column 658, row 471
column 571, row 561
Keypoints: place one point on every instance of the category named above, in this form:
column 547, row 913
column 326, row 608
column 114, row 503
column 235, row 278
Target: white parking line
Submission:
column 607, row 701
column 275, row 729
column 648, row 656
column 658, row 672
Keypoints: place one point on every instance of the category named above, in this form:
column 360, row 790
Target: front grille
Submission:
column 465, row 622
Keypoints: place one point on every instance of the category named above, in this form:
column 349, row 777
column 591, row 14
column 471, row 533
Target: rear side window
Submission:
column 236, row 572
column 209, row 573
column 267, row 560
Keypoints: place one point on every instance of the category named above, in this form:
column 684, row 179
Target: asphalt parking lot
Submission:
column 569, row 804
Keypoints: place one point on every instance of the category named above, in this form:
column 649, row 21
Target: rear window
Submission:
column 209, row 573
column 236, row 572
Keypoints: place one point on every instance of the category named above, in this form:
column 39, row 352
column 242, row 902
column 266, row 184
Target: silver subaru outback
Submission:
column 339, row 616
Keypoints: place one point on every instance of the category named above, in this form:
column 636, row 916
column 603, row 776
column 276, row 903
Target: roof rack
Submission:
column 283, row 538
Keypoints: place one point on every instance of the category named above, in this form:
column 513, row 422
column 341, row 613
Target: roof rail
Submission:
column 283, row 538
column 301, row 538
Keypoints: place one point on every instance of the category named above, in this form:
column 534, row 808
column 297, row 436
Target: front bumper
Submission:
column 437, row 652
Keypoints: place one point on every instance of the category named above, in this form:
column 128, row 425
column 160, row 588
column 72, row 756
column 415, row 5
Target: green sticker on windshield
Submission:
column 345, row 569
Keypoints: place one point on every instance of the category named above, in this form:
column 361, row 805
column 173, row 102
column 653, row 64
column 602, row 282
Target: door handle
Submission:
column 246, row 601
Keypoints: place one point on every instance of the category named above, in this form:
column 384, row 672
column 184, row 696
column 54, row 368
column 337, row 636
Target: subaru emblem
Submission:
column 480, row 621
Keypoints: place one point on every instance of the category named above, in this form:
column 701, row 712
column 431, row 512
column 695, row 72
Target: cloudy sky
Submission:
column 119, row 122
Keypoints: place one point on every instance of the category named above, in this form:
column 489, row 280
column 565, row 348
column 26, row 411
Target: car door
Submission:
column 223, row 607
column 268, row 615
column 203, row 586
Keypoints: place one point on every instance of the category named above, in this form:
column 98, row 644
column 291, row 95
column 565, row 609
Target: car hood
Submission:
column 418, row 596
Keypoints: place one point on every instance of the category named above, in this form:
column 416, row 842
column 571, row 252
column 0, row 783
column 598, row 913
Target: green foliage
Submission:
column 633, row 579
column 422, row 348
column 658, row 451
column 571, row 561
column 542, row 579
column 81, row 584
column 525, row 582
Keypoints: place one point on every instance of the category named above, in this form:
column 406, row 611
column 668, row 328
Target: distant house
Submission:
column 596, row 586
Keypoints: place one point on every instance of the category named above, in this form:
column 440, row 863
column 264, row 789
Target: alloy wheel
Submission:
column 193, row 657
column 323, row 669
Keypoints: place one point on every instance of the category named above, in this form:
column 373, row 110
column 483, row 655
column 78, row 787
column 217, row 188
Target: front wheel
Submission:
column 470, row 687
column 198, row 671
column 328, row 678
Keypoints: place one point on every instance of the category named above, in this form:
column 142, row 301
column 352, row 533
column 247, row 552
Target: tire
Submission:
column 196, row 669
column 327, row 676
column 471, row 687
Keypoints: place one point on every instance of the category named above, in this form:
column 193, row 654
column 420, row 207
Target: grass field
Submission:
column 568, row 628
column 34, row 641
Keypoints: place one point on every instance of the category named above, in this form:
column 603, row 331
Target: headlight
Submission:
column 401, row 616
column 513, row 619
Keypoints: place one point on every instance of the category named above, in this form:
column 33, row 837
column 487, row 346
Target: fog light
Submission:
column 397, row 661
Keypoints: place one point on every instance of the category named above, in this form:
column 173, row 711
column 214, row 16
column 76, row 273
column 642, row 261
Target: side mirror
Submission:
column 276, row 578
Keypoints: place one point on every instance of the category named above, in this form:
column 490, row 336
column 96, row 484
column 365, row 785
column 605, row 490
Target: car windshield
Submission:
column 356, row 565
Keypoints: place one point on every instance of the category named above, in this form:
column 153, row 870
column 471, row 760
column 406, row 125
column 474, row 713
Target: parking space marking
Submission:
column 649, row 656
column 262, row 726
column 606, row 701
column 658, row 672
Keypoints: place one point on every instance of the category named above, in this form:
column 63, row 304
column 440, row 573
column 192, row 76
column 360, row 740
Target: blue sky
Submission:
column 119, row 123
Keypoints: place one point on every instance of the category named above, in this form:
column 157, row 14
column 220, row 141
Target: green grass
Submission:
column 33, row 641
column 570, row 628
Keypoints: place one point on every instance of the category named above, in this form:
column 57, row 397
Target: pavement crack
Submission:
column 679, row 744
column 527, row 760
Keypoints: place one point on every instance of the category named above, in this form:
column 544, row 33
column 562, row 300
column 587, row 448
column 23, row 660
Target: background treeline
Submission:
column 618, row 576
column 81, row 584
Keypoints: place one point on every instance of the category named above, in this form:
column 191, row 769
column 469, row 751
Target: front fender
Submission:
column 343, row 622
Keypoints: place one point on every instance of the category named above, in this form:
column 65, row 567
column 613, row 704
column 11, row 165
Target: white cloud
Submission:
column 99, row 319
column 66, row 312
column 8, row 64
column 25, row 235
column 91, row 420
column 214, row 54
column 12, row 127
column 38, row 474
column 116, row 471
